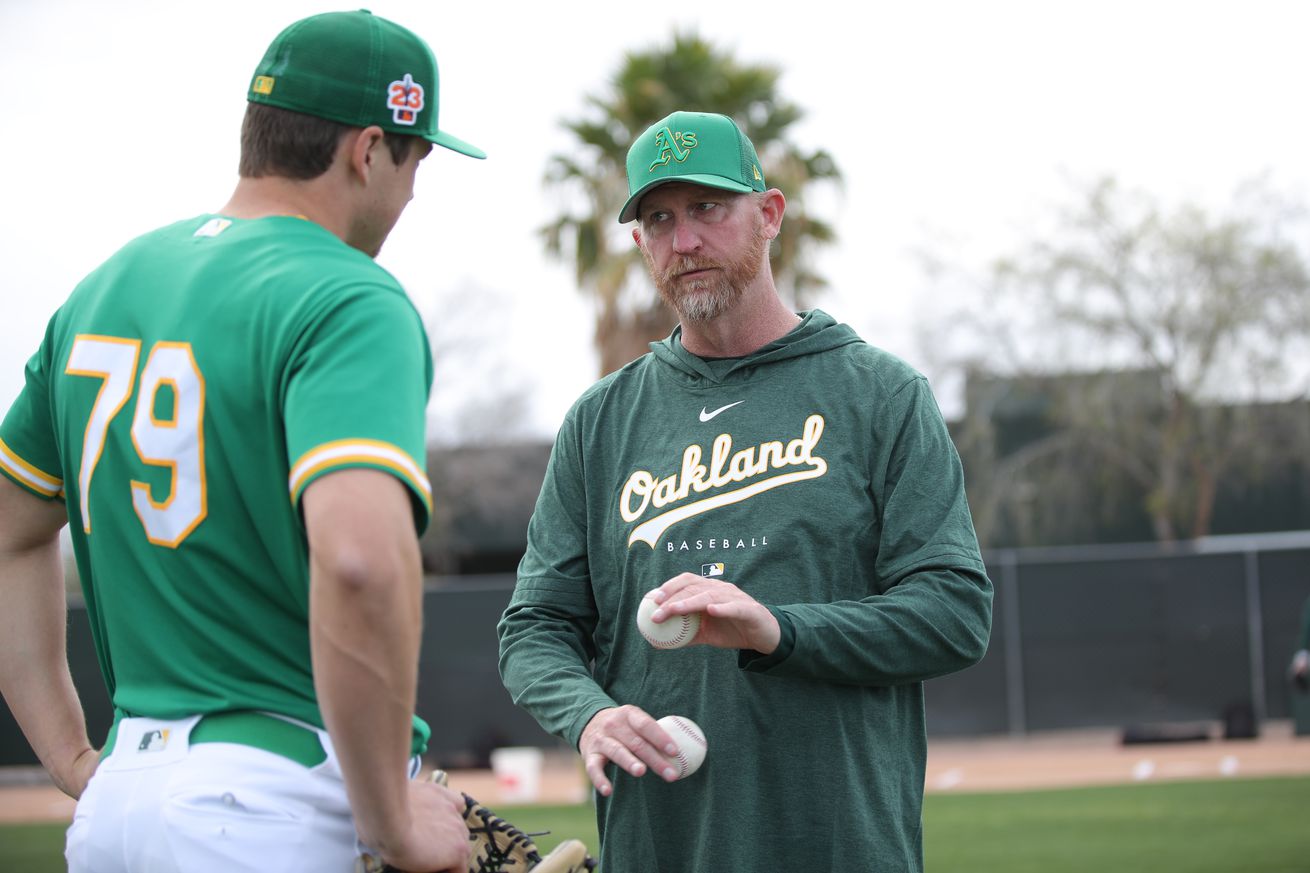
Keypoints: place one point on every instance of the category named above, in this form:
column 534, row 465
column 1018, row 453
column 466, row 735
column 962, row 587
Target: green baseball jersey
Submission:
column 183, row 398
column 817, row 475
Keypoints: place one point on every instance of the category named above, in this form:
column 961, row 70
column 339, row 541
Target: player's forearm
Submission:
column 34, row 675
column 365, row 633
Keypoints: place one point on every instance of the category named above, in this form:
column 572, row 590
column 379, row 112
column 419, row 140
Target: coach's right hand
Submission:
column 629, row 737
column 436, row 838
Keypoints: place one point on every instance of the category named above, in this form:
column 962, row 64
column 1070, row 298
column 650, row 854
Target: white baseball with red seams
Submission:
column 674, row 632
column 691, row 743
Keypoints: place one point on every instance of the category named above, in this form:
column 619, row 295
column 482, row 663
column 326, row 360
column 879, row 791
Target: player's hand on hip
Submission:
column 73, row 776
column 630, row 738
column 437, row 838
column 730, row 618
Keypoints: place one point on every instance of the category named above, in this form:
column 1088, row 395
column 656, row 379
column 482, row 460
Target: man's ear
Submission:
column 772, row 206
column 636, row 234
column 362, row 147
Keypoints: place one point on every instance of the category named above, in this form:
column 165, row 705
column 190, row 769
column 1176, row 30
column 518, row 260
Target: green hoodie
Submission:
column 817, row 475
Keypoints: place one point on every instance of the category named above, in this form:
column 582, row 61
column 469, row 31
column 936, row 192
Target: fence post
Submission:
column 1255, row 635
column 1016, row 704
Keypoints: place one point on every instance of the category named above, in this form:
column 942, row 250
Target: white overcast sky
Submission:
column 957, row 124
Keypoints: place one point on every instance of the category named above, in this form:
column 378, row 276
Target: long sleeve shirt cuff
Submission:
column 757, row 662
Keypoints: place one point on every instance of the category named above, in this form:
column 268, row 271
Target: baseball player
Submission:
column 229, row 416
column 1299, row 669
column 796, row 488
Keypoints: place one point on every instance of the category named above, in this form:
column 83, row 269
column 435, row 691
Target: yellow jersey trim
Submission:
column 352, row 453
column 27, row 475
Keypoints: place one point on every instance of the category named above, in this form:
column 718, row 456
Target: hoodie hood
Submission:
column 817, row 332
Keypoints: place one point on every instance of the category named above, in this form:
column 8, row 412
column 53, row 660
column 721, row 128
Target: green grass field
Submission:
column 1231, row 826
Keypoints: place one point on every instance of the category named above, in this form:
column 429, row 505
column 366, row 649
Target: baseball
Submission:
column 674, row 632
column 691, row 743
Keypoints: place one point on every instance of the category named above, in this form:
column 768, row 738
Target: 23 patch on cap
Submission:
column 405, row 100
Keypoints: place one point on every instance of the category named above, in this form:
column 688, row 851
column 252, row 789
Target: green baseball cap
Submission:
column 697, row 147
column 357, row 69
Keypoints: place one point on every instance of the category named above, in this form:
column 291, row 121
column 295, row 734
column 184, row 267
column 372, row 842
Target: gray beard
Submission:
column 704, row 304
column 707, row 299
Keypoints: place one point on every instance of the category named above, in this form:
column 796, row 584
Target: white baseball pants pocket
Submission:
column 160, row 805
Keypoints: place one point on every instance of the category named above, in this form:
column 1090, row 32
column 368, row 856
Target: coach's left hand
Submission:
column 730, row 618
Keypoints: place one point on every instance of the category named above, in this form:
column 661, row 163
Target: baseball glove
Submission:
column 499, row 847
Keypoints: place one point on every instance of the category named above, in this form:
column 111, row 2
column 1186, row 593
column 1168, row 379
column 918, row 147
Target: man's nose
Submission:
column 685, row 238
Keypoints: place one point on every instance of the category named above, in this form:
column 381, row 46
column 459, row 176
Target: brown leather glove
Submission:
column 499, row 847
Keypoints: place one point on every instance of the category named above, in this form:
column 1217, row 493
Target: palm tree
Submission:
column 590, row 180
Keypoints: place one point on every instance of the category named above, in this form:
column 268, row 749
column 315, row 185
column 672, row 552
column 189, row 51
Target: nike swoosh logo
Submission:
column 706, row 416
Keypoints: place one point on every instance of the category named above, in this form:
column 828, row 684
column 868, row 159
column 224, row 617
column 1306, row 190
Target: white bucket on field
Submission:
column 518, row 773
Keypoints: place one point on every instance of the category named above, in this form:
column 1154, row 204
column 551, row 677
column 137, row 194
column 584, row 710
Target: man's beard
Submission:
column 708, row 297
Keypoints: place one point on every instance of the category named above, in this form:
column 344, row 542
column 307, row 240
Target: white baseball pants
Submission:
column 158, row 804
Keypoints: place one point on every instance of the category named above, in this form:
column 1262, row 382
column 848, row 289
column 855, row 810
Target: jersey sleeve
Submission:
column 355, row 393
column 29, row 453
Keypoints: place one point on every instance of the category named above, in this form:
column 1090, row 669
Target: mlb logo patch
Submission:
column 711, row 570
column 213, row 227
column 153, row 741
column 405, row 100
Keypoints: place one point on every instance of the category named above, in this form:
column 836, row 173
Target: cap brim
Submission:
column 629, row 211
column 456, row 144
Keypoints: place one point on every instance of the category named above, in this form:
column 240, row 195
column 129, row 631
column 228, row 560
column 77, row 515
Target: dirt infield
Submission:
column 997, row 764
column 1099, row 758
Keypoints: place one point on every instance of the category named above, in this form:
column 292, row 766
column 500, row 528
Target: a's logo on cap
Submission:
column 758, row 177
column 263, row 85
column 405, row 100
column 672, row 146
